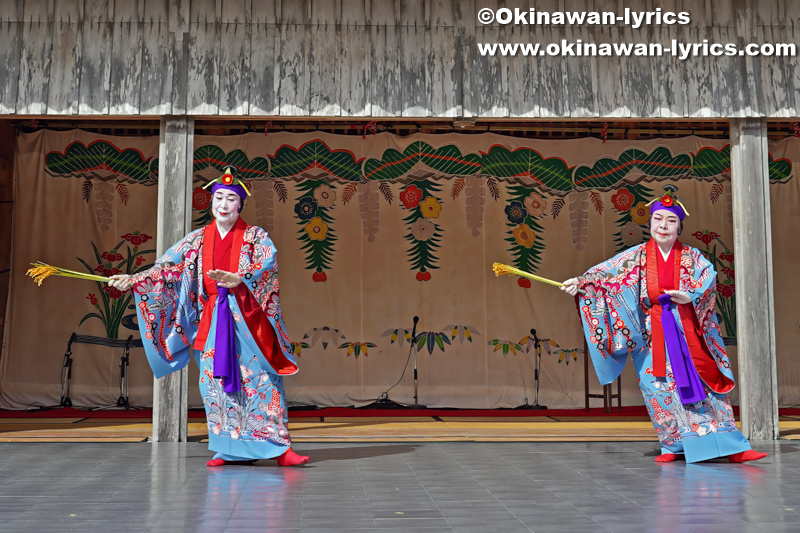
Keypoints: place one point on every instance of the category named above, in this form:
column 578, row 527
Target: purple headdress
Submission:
column 229, row 181
column 669, row 202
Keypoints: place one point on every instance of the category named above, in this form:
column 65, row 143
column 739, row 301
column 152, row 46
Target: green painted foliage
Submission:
column 289, row 161
column 551, row 172
column 448, row 160
column 608, row 172
column 99, row 156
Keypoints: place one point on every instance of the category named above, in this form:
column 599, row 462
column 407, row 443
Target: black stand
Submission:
column 122, row 401
column 124, row 362
column 384, row 402
column 537, row 365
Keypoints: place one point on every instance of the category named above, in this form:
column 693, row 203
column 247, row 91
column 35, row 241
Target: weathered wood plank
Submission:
column 264, row 70
column 355, row 12
column 295, row 13
column 669, row 90
column 441, row 57
column 697, row 70
column 581, row 84
column 755, row 313
column 441, row 13
column 728, row 80
column 324, row 70
column 237, row 11
column 36, row 53
column 293, row 79
column 412, row 13
column 414, row 75
column 325, row 12
column 126, row 68
column 609, row 73
column 384, row 82
column 96, row 51
column 234, row 68
column 552, row 76
column 639, row 76
column 356, row 53
column 10, row 49
column 175, row 153
column 204, row 11
column 523, row 77
column 266, row 12
column 158, row 68
column 203, row 84
column 778, row 96
column 12, row 11
column 64, row 81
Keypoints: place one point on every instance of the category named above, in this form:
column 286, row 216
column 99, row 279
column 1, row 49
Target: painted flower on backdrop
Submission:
column 136, row 238
column 622, row 200
column 535, row 204
column 631, row 234
column 705, row 236
column 411, row 196
column 726, row 256
column 306, row 208
column 200, row 198
column 422, row 229
column 113, row 292
column 107, row 270
column 316, row 229
column 93, row 299
column 726, row 290
column 430, row 207
column 524, row 235
column 112, row 256
column 639, row 213
column 516, row 212
column 324, row 195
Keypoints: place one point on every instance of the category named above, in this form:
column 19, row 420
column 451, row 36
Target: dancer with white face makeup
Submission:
column 214, row 296
column 655, row 302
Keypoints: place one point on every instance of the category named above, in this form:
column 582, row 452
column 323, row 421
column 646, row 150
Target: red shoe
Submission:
column 216, row 462
column 666, row 458
column 747, row 455
column 289, row 458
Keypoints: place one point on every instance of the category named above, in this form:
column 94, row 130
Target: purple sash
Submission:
column 687, row 380
column 225, row 365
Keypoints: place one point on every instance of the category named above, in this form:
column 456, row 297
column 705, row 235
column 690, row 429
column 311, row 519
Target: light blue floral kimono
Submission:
column 616, row 317
column 171, row 298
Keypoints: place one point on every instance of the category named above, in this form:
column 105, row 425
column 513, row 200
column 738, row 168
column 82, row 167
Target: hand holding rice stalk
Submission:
column 42, row 271
column 500, row 269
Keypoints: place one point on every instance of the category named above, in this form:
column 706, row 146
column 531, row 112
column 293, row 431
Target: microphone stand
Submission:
column 537, row 345
column 384, row 402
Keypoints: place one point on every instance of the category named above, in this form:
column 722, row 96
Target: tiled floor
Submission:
column 428, row 487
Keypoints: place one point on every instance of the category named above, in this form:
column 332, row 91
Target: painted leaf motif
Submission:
column 289, row 161
column 529, row 165
column 607, row 172
column 101, row 159
column 710, row 162
column 446, row 160
column 779, row 169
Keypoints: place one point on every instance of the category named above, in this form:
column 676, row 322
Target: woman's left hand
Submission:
column 225, row 279
column 679, row 297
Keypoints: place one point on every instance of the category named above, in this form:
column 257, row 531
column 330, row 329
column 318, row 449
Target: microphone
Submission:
column 414, row 331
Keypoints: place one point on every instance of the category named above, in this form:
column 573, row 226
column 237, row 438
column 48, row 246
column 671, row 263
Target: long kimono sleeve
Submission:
column 258, row 268
column 166, row 299
column 613, row 320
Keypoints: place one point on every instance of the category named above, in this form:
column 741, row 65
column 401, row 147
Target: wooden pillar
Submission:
column 175, row 160
column 755, row 310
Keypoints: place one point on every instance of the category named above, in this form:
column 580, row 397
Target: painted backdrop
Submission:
column 371, row 232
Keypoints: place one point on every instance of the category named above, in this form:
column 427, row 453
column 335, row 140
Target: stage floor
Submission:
column 425, row 487
column 128, row 427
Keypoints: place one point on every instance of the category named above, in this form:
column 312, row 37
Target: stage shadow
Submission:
column 348, row 453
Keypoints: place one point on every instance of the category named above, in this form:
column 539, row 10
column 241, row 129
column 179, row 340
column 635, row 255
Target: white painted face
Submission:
column 225, row 206
column 664, row 227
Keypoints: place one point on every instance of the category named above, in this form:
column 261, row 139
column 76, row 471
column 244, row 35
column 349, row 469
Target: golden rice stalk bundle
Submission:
column 501, row 269
column 42, row 271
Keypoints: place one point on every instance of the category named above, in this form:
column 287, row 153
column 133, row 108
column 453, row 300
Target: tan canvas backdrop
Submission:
column 370, row 287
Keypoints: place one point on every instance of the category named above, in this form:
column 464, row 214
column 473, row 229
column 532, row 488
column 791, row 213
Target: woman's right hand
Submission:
column 571, row 286
column 120, row 281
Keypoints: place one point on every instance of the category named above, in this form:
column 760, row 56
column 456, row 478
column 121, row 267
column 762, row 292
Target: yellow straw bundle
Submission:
column 42, row 271
column 501, row 269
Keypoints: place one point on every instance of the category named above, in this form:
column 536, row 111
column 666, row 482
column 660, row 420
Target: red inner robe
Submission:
column 668, row 273
column 225, row 256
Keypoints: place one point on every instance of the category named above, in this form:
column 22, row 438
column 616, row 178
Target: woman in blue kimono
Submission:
column 656, row 302
column 214, row 296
